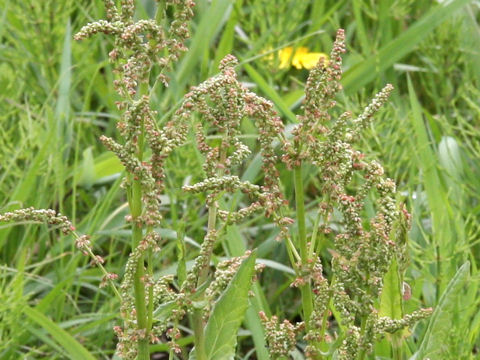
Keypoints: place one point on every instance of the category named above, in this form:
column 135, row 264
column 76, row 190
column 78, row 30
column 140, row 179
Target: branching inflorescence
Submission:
column 222, row 103
column 365, row 250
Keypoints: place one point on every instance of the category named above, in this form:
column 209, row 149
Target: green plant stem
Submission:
column 397, row 346
column 199, row 335
column 136, row 208
column 150, row 291
column 198, row 326
column 323, row 344
column 306, row 291
column 138, row 284
column 361, row 354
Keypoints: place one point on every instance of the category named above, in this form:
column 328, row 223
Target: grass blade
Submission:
column 436, row 195
column 433, row 344
column 63, row 338
column 369, row 69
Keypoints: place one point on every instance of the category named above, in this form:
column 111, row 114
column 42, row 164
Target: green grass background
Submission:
column 56, row 99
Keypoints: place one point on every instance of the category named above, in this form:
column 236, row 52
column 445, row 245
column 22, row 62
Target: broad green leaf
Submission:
column 227, row 314
column 391, row 297
column 450, row 156
column 87, row 168
column 75, row 350
column 103, row 168
column 236, row 247
column 164, row 310
column 440, row 325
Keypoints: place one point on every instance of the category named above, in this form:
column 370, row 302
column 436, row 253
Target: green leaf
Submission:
column 228, row 313
column 236, row 247
column 87, row 172
column 440, row 325
column 63, row 338
column 391, row 297
column 164, row 311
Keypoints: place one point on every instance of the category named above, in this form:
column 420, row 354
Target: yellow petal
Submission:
column 309, row 60
column 301, row 50
column 284, row 56
column 297, row 61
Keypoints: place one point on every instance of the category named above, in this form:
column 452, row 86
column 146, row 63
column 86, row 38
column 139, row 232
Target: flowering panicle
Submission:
column 202, row 262
column 322, row 85
column 318, row 320
column 224, row 273
column 280, row 336
column 47, row 216
column 222, row 103
column 363, row 250
column 138, row 47
column 161, row 291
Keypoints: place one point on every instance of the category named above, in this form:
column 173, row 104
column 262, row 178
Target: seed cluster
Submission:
column 48, row 216
column 363, row 248
column 222, row 102
column 138, row 47
column 280, row 336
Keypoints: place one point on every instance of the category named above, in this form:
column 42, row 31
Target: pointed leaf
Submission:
column 391, row 298
column 228, row 313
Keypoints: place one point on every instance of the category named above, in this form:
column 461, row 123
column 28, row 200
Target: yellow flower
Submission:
column 302, row 58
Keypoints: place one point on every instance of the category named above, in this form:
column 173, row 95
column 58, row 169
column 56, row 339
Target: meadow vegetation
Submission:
column 249, row 216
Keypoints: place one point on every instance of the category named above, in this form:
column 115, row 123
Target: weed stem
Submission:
column 306, row 291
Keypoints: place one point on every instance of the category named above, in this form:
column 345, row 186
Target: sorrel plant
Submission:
column 345, row 310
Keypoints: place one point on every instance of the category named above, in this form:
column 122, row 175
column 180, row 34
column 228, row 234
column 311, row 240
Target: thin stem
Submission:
column 361, row 354
column 199, row 334
column 300, row 207
column 212, row 219
column 136, row 208
column 198, row 326
column 150, row 291
column 138, row 283
column 313, row 239
column 397, row 346
column 323, row 344
column 306, row 291
column 102, row 269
